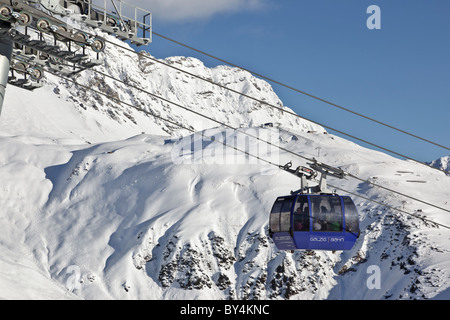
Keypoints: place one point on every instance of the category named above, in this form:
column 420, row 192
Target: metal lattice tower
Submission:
column 34, row 37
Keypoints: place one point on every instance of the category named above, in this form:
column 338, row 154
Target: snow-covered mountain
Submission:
column 441, row 163
column 101, row 201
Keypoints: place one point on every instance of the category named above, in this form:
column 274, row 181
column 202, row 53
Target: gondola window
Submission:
column 326, row 213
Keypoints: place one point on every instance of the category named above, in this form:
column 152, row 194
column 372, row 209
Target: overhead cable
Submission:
column 243, row 151
column 302, row 92
column 146, row 56
column 231, row 127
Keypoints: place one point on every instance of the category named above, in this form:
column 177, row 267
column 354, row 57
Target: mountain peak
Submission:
column 441, row 163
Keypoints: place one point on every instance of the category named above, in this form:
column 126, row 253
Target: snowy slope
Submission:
column 135, row 225
column 93, row 208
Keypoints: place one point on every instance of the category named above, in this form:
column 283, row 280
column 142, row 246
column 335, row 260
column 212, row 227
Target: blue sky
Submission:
column 399, row 74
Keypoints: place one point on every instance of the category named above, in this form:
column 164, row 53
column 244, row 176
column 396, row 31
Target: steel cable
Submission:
column 243, row 151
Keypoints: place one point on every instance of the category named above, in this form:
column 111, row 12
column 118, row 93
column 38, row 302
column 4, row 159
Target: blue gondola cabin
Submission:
column 314, row 222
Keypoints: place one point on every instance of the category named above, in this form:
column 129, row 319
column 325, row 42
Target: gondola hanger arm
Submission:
column 311, row 173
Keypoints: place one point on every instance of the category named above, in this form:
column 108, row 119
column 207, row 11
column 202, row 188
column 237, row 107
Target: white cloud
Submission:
column 183, row 10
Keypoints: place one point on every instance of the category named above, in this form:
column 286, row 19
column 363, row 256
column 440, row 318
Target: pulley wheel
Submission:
column 25, row 18
column 20, row 67
column 112, row 21
column 43, row 25
column 5, row 12
column 98, row 45
column 80, row 38
column 60, row 37
column 37, row 73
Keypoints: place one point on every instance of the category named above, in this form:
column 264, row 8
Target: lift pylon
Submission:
column 36, row 39
column 5, row 63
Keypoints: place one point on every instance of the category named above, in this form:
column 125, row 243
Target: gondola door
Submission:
column 327, row 217
column 301, row 222
column 280, row 223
